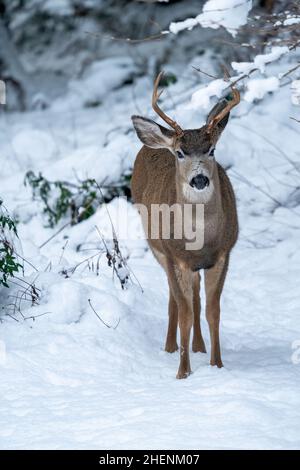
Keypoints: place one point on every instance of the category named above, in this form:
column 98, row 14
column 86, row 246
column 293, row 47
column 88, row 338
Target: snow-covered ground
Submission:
column 69, row 381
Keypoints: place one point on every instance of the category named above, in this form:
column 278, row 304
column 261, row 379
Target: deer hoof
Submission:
column 170, row 348
column 217, row 363
column 183, row 374
column 198, row 346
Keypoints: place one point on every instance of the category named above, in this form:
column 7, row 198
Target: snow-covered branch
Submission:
column 256, row 88
column 231, row 14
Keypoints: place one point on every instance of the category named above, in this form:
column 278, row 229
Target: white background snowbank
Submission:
column 67, row 380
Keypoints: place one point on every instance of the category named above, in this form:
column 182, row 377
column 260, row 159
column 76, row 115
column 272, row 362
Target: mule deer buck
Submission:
column 177, row 166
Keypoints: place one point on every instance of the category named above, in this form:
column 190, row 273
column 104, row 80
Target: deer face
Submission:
column 193, row 150
column 195, row 161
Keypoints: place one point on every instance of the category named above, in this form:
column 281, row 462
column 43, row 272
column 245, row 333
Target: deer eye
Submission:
column 180, row 154
column 211, row 153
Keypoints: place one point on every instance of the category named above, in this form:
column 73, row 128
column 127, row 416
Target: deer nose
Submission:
column 199, row 181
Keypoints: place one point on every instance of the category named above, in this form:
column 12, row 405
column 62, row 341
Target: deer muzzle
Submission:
column 199, row 182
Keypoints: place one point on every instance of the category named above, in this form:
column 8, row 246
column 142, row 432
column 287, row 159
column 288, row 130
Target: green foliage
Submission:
column 9, row 264
column 167, row 79
column 78, row 201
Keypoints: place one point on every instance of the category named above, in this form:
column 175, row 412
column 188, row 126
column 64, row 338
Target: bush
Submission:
column 9, row 264
column 78, row 201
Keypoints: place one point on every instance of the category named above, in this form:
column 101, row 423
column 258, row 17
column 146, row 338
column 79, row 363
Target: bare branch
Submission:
column 102, row 321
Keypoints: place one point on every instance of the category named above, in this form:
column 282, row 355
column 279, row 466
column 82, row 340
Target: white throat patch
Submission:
column 198, row 195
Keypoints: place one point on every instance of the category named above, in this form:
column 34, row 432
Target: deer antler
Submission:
column 231, row 104
column 167, row 119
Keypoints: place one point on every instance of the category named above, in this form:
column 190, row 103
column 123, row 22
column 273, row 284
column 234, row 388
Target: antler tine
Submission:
column 231, row 104
column 155, row 97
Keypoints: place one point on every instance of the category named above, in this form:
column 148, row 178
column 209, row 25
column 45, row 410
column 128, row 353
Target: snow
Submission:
column 99, row 79
column 292, row 20
column 257, row 88
column 71, row 380
column 261, row 60
column 231, row 14
column 201, row 98
column 30, row 144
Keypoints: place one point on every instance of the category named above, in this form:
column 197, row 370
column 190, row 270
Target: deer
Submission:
column 177, row 166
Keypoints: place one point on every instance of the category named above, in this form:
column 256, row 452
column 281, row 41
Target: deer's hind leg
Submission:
column 171, row 341
column 214, row 282
column 198, row 344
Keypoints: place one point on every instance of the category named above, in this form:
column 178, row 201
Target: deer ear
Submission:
column 151, row 134
column 215, row 111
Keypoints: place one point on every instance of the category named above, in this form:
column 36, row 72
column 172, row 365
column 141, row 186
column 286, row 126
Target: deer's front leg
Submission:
column 181, row 280
column 198, row 342
column 214, row 281
column 185, row 325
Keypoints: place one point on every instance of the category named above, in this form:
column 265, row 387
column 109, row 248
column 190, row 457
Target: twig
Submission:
column 271, row 143
column 55, row 234
column 63, row 250
column 204, row 73
column 73, row 269
column 33, row 317
column 27, row 283
column 290, row 71
column 249, row 183
column 26, row 261
column 98, row 316
column 154, row 37
column 11, row 316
